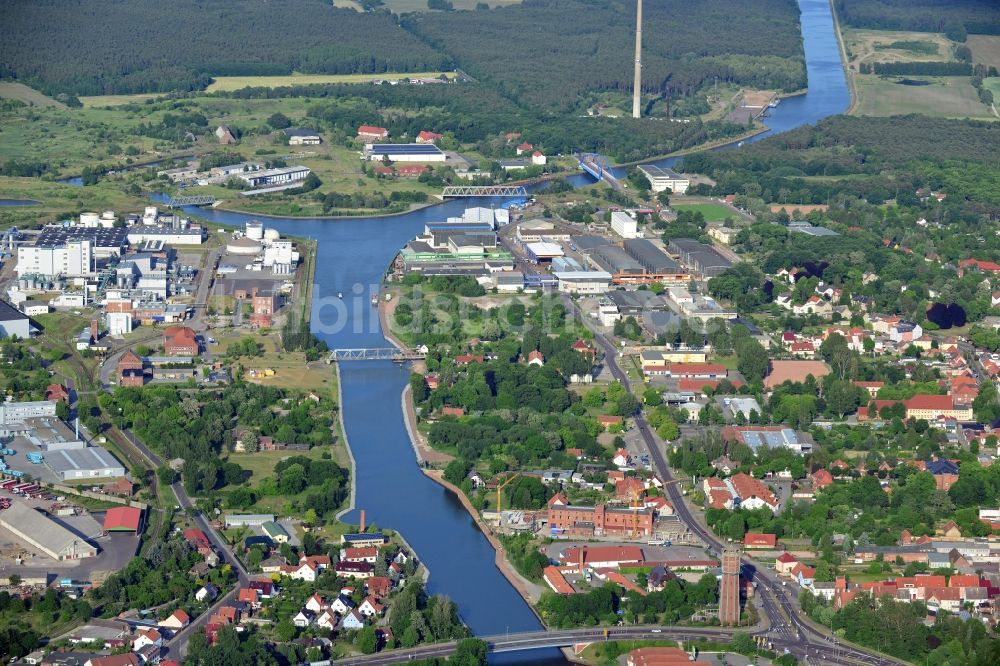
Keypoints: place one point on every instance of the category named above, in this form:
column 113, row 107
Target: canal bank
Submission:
column 353, row 253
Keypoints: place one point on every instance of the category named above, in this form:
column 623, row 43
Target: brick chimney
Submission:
column 362, row 527
column 93, row 330
column 581, row 551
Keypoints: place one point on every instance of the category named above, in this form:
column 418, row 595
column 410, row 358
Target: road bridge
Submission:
column 374, row 354
column 456, row 191
column 597, row 166
column 203, row 200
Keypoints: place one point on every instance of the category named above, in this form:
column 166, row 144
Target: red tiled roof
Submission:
column 751, row 539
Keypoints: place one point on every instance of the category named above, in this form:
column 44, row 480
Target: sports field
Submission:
column 944, row 97
column 19, row 91
column 985, row 49
column 712, row 212
column 225, row 83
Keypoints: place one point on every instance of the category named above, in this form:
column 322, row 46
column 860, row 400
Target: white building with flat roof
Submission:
column 662, row 179
column 624, row 225
column 583, row 282
column 74, row 258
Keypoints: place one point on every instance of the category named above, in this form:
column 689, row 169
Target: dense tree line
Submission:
column 566, row 47
column 917, row 68
column 954, row 19
column 128, row 48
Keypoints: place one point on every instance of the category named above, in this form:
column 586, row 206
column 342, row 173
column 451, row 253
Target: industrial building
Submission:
column 534, row 231
column 662, row 179
column 614, row 260
column 701, row 258
column 303, row 137
column 439, row 235
column 404, row 152
column 542, row 251
column 185, row 234
column 72, row 258
column 106, row 242
column 624, row 225
column 280, row 176
column 634, row 303
column 14, row 414
column 39, row 531
column 92, row 462
column 247, row 519
column 583, row 282
column 13, row 322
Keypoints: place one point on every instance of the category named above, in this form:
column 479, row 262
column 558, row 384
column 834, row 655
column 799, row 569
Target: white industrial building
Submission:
column 280, row 253
column 247, row 519
column 583, row 282
column 14, row 414
column 119, row 323
column 624, row 225
column 184, row 235
column 661, row 179
column 91, row 462
column 38, row 531
column 280, row 176
column 74, row 258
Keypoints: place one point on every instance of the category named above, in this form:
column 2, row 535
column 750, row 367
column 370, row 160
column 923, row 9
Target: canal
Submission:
column 352, row 257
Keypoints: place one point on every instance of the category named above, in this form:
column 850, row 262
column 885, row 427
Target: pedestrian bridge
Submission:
column 191, row 201
column 374, row 354
column 456, row 191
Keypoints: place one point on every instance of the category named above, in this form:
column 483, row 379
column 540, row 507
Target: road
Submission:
column 787, row 621
column 177, row 646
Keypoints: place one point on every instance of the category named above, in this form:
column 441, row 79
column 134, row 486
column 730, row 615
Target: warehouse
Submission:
column 248, row 519
column 539, row 252
column 13, row 322
column 193, row 235
column 661, row 179
column 624, row 225
column 92, row 462
column 635, row 303
column 404, row 152
column 439, row 235
column 614, row 260
column 583, row 282
column 122, row 519
column 699, row 257
column 282, row 176
column 534, row 231
column 653, row 259
column 38, row 531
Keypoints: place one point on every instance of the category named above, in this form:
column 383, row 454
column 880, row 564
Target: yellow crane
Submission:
column 500, row 486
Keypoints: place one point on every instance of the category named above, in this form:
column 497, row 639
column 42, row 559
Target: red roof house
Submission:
column 758, row 540
column 122, row 519
column 180, row 341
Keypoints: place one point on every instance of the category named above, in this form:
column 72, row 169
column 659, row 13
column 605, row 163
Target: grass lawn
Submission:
column 985, row 49
column 57, row 199
column 225, row 83
column 712, row 212
column 946, row 96
column 19, row 91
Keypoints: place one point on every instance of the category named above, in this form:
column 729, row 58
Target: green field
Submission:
column 403, row 6
column 896, row 46
column 19, row 91
column 985, row 49
column 226, row 83
column 946, row 97
column 98, row 101
column 712, row 212
column 56, row 199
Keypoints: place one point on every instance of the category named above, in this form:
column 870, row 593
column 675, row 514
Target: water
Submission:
column 17, row 202
column 353, row 255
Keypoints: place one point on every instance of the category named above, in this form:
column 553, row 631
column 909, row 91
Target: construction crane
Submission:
column 500, row 486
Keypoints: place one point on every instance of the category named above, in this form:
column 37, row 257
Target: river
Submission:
column 352, row 257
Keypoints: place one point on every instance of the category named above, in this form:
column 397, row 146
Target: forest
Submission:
column 97, row 47
column 956, row 17
column 545, row 53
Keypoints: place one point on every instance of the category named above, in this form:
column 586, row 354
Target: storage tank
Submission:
column 271, row 235
column 255, row 230
column 149, row 211
column 88, row 219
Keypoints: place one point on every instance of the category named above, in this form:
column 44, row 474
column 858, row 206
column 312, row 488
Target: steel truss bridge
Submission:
column 456, row 191
column 203, row 200
column 374, row 354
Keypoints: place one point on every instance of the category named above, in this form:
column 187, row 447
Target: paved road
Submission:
column 787, row 621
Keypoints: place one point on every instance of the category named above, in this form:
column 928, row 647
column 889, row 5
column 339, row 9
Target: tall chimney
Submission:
column 637, row 82
column 581, row 558
column 93, row 329
column 362, row 527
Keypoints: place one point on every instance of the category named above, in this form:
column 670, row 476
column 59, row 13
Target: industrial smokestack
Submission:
column 362, row 527
column 637, row 82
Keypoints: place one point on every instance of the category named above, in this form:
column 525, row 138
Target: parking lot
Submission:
column 115, row 550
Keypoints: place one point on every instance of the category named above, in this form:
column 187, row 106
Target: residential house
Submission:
column 784, row 563
column 759, row 540
column 353, row 620
column 176, row 620
column 371, row 133
column 207, row 592
column 370, row 607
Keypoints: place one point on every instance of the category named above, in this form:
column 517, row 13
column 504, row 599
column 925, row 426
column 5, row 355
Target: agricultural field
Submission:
column 944, row 96
column 897, row 46
column 227, row 83
column 985, row 49
column 102, row 101
column 713, row 212
column 21, row 92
